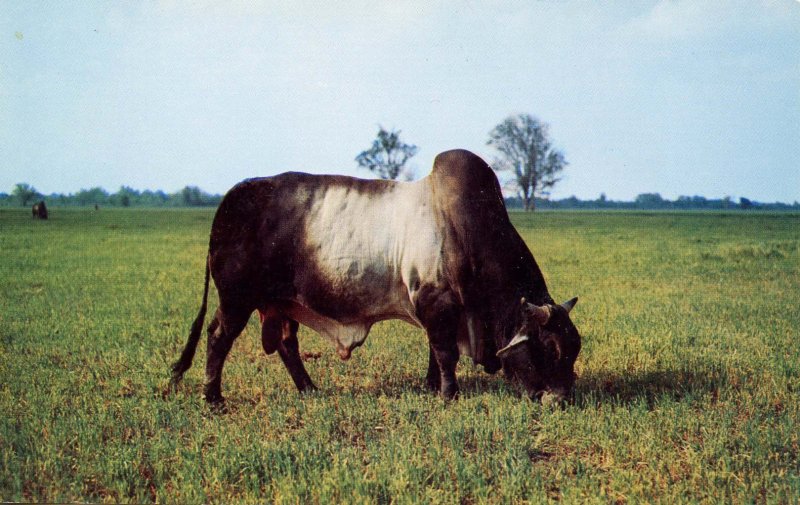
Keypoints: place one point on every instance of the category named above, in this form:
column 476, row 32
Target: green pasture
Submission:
column 688, row 379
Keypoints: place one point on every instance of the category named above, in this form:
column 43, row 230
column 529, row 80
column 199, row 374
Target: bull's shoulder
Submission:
column 483, row 251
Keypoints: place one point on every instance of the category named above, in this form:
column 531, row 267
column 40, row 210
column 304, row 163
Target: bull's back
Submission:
column 346, row 248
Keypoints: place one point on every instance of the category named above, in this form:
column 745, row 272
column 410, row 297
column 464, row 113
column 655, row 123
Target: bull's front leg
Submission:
column 440, row 315
column 433, row 379
column 445, row 352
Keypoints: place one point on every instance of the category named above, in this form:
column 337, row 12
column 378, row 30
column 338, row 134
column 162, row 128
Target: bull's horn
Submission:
column 540, row 313
column 517, row 340
column 569, row 304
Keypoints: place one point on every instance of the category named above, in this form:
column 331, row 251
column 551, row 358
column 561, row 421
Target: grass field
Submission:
column 687, row 392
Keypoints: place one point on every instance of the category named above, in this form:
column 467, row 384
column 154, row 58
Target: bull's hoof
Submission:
column 450, row 392
column 307, row 388
column 213, row 396
column 433, row 383
column 175, row 381
column 218, row 407
column 174, row 384
column 553, row 400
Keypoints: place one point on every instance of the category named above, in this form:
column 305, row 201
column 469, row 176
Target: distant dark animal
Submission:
column 39, row 210
column 339, row 254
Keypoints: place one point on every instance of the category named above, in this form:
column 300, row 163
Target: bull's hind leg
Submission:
column 279, row 333
column 223, row 330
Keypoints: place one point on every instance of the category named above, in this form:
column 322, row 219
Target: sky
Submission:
column 675, row 97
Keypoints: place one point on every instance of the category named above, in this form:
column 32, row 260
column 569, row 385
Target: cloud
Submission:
column 686, row 21
column 677, row 20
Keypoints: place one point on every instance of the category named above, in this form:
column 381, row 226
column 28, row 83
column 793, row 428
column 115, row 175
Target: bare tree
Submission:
column 387, row 156
column 526, row 150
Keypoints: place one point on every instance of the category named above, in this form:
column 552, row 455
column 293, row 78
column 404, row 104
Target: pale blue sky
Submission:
column 681, row 98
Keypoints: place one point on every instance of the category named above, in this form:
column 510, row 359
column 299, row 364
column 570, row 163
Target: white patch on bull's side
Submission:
column 379, row 247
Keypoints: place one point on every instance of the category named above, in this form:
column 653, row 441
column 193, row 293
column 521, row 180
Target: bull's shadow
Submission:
column 625, row 388
column 395, row 387
column 592, row 388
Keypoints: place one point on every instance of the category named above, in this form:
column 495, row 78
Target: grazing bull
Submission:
column 39, row 210
column 339, row 254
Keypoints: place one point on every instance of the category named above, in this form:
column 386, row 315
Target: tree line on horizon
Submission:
column 654, row 201
column 525, row 149
column 528, row 154
column 192, row 196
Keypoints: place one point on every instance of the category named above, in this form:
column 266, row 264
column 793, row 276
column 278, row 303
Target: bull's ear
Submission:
column 569, row 304
column 515, row 342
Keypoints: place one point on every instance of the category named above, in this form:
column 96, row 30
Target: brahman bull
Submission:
column 339, row 254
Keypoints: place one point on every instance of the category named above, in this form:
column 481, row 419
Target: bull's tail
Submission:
column 185, row 361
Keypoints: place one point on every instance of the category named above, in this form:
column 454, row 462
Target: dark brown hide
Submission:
column 464, row 288
column 493, row 269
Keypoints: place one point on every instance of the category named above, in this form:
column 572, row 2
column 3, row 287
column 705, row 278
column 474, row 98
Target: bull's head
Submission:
column 542, row 353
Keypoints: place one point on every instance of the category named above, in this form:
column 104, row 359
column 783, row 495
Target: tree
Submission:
column 92, row 196
column 387, row 156
column 649, row 201
column 125, row 196
column 25, row 192
column 526, row 150
column 192, row 196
